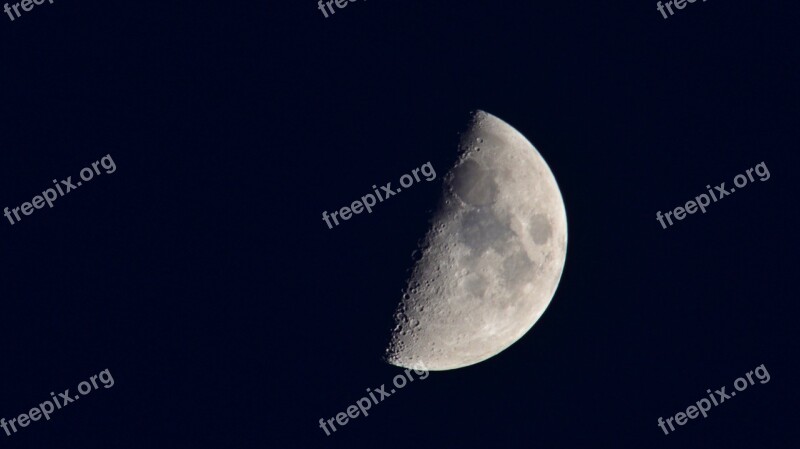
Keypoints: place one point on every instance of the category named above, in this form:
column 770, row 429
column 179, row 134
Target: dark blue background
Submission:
column 202, row 276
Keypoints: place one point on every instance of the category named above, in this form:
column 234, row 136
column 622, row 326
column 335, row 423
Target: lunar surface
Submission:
column 492, row 259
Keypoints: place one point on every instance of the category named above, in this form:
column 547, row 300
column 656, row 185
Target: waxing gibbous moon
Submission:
column 493, row 256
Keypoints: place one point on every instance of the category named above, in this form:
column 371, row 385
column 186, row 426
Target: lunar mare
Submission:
column 490, row 263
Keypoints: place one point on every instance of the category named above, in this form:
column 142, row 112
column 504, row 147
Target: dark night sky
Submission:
column 202, row 276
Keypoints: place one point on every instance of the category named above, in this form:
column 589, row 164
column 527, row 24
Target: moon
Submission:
column 492, row 258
